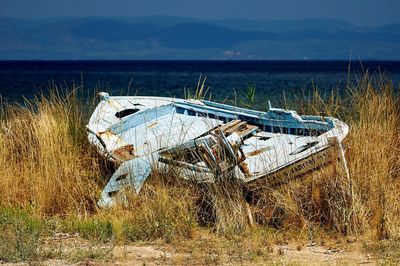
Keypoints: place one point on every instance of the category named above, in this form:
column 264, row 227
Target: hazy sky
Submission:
column 359, row 12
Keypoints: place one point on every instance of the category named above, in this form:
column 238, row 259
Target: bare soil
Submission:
column 73, row 250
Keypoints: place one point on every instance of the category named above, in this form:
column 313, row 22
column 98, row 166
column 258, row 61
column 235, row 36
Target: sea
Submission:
column 223, row 80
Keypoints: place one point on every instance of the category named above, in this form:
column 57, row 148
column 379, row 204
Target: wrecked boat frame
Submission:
column 205, row 140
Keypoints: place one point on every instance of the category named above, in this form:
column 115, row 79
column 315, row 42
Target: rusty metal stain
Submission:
column 124, row 153
column 245, row 169
column 108, row 135
column 151, row 125
column 257, row 152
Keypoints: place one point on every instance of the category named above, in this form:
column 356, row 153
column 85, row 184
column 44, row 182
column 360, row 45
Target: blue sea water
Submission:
column 271, row 79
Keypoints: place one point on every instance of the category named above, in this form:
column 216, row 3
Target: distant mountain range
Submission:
column 158, row 37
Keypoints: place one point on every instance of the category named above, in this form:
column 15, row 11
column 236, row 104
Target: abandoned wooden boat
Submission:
column 207, row 140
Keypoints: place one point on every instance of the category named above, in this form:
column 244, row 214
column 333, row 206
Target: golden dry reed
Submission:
column 48, row 167
column 368, row 202
column 45, row 161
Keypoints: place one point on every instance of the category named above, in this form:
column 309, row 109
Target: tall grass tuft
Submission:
column 373, row 152
column 367, row 202
column 224, row 207
column 46, row 164
column 165, row 208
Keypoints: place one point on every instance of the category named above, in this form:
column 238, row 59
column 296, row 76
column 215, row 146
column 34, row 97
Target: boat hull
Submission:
column 293, row 170
column 263, row 149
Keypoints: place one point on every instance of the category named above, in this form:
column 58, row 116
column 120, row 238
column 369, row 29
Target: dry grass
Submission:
column 374, row 153
column 45, row 161
column 365, row 204
column 48, row 169
column 223, row 206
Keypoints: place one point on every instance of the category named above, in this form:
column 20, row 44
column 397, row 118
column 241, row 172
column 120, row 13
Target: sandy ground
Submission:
column 280, row 255
column 73, row 250
column 285, row 255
